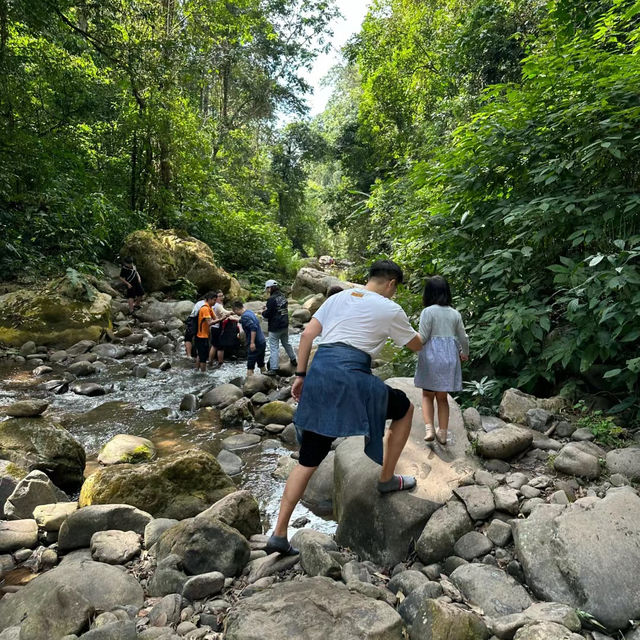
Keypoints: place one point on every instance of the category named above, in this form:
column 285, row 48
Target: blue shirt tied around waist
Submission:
column 342, row 398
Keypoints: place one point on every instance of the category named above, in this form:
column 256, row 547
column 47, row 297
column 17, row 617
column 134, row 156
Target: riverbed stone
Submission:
column 33, row 490
column 270, row 565
column 176, row 486
column 307, row 609
column 472, row 419
column 477, row 499
column 236, row 414
column 407, row 582
column 80, row 347
column 166, row 612
column 580, row 459
column 90, row 389
column 258, row 384
column 546, row 631
column 239, row 510
column 491, row 589
column 319, row 492
column 445, row 526
column 82, row 368
column 437, row 620
column 277, row 412
column 499, row 532
column 203, row 586
column 109, row 351
column 626, row 462
column 120, row 630
column 506, row 499
column 515, row 404
column 114, row 546
column 231, row 463
column 27, row 408
column 70, row 593
column 78, row 528
column 18, row 534
column 124, row 448
column 538, row 419
column 51, row 516
column 155, row 528
column 205, row 544
column 168, row 577
column 221, row 397
column 10, row 475
column 558, row 546
column 241, row 441
column 37, row 443
column 504, row 443
column 472, row 545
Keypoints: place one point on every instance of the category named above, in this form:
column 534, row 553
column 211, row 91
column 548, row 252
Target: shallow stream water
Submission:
column 149, row 407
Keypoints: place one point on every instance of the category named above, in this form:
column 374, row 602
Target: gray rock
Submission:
column 491, row 589
column 13, row 633
column 478, row 501
column 625, row 462
column 316, row 560
column 559, row 546
column 445, row 526
column 472, row 545
column 82, row 368
column 319, row 492
column 269, row 565
column 51, row 516
column 579, row 459
column 168, row 577
column 221, row 397
column 407, row 582
column 559, row 497
column 582, row 435
column 277, row 412
column 529, row 492
column 565, row 429
column 506, row 499
column 516, row 480
column 435, row 620
column 515, row 404
column 258, row 384
column 154, row 529
column 618, row 480
column 235, row 415
column 121, row 630
column 18, row 534
column 203, row 586
column 76, row 531
column 485, row 479
column 189, row 402
column 27, row 408
column 489, row 423
column 355, row 571
column 157, row 342
column 205, row 544
column 546, row 631
column 115, row 547
column 284, row 467
column 410, row 606
column 87, row 389
column 538, row 419
column 308, row 608
column 33, row 490
column 109, row 351
column 239, row 510
column 124, row 448
column 472, row 419
column 499, row 533
column 288, row 436
column 497, row 466
column 231, row 463
column 10, row 475
column 304, row 538
column 28, row 348
column 167, row 611
column 80, row 347
column 259, row 398
column 241, row 441
column 504, row 443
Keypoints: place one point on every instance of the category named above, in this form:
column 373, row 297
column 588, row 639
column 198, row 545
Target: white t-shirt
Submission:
column 219, row 310
column 363, row 319
column 196, row 308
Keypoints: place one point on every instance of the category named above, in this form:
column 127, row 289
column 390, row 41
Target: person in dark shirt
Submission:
column 130, row 276
column 276, row 312
column 256, row 344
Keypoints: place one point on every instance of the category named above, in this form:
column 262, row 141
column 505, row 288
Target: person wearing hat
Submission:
column 276, row 313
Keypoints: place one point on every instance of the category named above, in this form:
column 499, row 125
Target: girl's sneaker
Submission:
column 429, row 433
column 442, row 436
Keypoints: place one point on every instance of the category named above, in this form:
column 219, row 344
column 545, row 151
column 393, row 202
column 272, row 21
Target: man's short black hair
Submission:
column 336, row 288
column 387, row 270
column 128, row 260
column 237, row 304
column 209, row 295
column 436, row 291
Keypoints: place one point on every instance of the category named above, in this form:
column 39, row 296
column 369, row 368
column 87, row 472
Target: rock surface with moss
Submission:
column 37, row 443
column 61, row 312
column 127, row 449
column 276, row 412
column 178, row 486
column 167, row 257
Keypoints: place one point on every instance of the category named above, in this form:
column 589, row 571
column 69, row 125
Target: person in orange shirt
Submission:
column 206, row 317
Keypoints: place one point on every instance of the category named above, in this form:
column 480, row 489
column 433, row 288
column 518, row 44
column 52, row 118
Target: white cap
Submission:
column 270, row 283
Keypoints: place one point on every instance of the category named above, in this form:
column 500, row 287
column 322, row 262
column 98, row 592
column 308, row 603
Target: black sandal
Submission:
column 277, row 544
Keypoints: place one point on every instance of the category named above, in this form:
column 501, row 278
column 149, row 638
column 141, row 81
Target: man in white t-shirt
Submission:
column 341, row 397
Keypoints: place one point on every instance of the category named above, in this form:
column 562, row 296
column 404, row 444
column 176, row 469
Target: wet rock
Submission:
column 237, row 413
column 499, row 533
column 140, row 371
column 109, row 351
column 308, row 608
column 436, row 620
column 80, row 347
column 82, row 368
column 515, row 404
column 77, row 530
column 559, row 546
column 155, row 529
column 115, row 547
column 166, row 612
column 87, row 389
column 127, row 449
column 445, row 526
column 35, row 443
column 17, row 534
column 239, row 510
column 506, row 499
column 471, row 418
column 582, row 435
column 176, row 486
column 240, row 441
column 472, row 545
column 257, row 384
column 503, row 443
column 51, row 516
column 579, row 459
column 205, row 544
column 203, row 586
column 42, row 370
column 120, row 630
column 277, row 412
column 625, row 462
column 157, row 342
column 538, row 419
column 491, row 589
column 33, row 490
column 284, row 467
column 274, row 428
column 478, row 501
column 564, row 429
column 546, row 631
column 231, row 463
column 506, row 626
column 27, row 408
column 270, row 565
column 319, row 492
column 168, row 577
column 189, row 403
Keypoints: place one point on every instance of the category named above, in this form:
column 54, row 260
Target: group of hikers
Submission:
column 337, row 394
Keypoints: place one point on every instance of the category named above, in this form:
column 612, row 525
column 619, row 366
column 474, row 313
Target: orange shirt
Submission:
column 203, row 327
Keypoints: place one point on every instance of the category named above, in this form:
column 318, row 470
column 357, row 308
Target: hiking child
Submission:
column 445, row 344
column 206, row 317
column 339, row 396
column 130, row 276
column 256, row 343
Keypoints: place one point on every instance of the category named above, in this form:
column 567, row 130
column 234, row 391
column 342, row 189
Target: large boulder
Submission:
column 276, row 412
column 10, row 476
column 221, row 397
column 27, row 408
column 62, row 312
column 156, row 311
column 311, row 281
column 437, row 620
column 32, row 491
column 585, row 554
column 205, row 544
column 516, row 403
column 239, row 510
column 124, row 448
column 163, row 256
column 178, row 486
column 580, row 459
column 37, row 443
column 313, row 609
column 61, row 601
column 503, row 443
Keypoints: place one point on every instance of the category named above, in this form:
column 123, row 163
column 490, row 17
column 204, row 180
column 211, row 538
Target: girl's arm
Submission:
column 424, row 329
column 463, row 339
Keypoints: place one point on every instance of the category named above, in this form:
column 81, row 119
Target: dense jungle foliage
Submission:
column 496, row 142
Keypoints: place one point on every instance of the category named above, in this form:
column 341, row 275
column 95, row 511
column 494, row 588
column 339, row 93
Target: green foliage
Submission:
column 483, row 394
column 605, row 430
column 184, row 289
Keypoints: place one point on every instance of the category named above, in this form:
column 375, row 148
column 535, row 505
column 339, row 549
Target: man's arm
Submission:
column 270, row 310
column 252, row 342
column 311, row 332
column 415, row 344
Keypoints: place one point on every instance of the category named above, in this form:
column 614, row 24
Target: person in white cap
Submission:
column 276, row 313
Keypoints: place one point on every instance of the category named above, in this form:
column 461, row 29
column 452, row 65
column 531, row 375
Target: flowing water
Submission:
column 149, row 407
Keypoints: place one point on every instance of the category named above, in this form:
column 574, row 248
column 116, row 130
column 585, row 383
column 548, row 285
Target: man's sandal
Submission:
column 397, row 483
column 279, row 544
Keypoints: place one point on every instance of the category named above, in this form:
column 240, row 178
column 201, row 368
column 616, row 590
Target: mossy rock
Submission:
column 61, row 313
column 441, row 621
column 164, row 257
column 127, row 449
column 276, row 412
column 36, row 443
column 178, row 486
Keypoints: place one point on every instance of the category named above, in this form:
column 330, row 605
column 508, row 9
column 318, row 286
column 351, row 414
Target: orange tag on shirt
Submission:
column 357, row 295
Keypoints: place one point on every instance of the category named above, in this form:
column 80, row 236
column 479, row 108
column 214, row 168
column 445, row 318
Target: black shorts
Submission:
column 202, row 348
column 136, row 290
column 215, row 336
column 315, row 447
